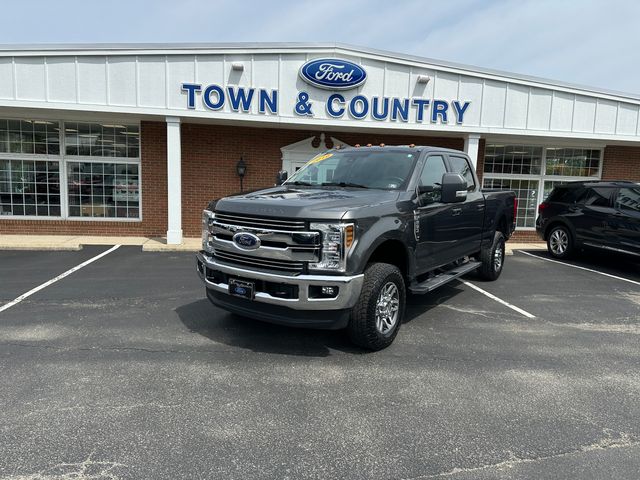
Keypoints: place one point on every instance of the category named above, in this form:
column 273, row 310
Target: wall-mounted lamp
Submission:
column 237, row 66
column 423, row 79
column 241, row 170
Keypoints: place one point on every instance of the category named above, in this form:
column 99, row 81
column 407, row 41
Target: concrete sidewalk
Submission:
column 71, row 242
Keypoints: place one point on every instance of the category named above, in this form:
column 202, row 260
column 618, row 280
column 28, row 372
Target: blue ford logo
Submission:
column 246, row 241
column 333, row 73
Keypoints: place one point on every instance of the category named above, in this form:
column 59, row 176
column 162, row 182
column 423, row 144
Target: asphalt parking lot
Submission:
column 122, row 369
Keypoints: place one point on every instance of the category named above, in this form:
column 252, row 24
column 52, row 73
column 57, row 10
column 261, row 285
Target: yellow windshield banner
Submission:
column 319, row 158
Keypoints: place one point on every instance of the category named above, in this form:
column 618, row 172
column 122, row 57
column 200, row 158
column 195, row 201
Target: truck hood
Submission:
column 305, row 202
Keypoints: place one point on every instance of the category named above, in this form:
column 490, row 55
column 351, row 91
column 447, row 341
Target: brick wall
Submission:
column 621, row 163
column 209, row 157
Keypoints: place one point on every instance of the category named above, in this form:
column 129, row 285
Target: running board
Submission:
column 442, row 278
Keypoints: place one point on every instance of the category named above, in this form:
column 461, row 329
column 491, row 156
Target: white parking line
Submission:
column 581, row 268
column 499, row 300
column 54, row 280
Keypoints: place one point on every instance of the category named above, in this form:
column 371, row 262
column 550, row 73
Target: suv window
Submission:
column 431, row 176
column 461, row 165
column 628, row 199
column 566, row 194
column 596, row 197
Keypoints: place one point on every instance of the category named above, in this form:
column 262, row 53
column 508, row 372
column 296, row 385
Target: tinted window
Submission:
column 596, row 197
column 432, row 176
column 628, row 199
column 566, row 195
column 461, row 165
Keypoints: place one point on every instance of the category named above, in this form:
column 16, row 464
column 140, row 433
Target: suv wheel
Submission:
column 559, row 242
column 377, row 316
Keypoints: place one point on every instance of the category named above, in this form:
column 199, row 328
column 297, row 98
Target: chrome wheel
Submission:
column 498, row 257
column 559, row 241
column 387, row 308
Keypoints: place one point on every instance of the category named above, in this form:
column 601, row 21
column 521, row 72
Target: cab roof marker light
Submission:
column 412, row 145
column 357, row 145
column 369, row 145
column 382, row 144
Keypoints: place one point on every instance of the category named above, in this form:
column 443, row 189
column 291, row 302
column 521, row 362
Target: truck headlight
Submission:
column 207, row 216
column 337, row 239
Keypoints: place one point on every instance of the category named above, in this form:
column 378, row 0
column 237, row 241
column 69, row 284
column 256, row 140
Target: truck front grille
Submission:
column 250, row 261
column 260, row 222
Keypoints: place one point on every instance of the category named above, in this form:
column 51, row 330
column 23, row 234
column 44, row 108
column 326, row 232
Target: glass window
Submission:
column 628, row 199
column 597, row 197
column 513, row 159
column 461, row 165
column 102, row 140
column 527, row 194
column 562, row 195
column 38, row 137
column 542, row 165
column 431, row 176
column 365, row 167
column 572, row 162
column 29, row 187
column 103, row 190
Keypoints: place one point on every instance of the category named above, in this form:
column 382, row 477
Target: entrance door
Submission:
column 296, row 155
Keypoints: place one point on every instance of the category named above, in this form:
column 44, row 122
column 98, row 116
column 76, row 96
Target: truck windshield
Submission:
column 386, row 170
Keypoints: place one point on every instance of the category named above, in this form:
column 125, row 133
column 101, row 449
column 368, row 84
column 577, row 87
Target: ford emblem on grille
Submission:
column 333, row 73
column 246, row 241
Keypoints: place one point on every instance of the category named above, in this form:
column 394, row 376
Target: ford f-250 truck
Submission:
column 342, row 242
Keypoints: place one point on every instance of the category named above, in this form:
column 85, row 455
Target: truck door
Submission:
column 625, row 222
column 433, row 234
column 468, row 215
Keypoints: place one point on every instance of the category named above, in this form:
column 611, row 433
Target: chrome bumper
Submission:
column 349, row 287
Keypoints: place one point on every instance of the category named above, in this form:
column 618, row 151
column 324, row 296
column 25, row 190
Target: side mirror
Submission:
column 281, row 177
column 422, row 189
column 454, row 188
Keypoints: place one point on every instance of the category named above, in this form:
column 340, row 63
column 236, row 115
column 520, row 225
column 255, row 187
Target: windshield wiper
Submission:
column 342, row 184
column 304, row 184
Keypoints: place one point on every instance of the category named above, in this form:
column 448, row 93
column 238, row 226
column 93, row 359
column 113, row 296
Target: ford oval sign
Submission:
column 333, row 73
column 246, row 241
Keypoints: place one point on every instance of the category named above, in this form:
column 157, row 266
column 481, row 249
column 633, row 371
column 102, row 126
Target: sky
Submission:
column 586, row 42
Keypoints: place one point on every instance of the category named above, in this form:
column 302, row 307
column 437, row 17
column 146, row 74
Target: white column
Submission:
column 174, row 185
column 471, row 147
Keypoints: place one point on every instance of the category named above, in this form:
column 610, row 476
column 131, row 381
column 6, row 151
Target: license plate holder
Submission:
column 242, row 288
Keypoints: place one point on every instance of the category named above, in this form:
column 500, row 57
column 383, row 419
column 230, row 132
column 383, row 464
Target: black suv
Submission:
column 603, row 215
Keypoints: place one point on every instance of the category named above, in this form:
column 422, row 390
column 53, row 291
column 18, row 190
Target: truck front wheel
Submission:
column 377, row 316
column 492, row 259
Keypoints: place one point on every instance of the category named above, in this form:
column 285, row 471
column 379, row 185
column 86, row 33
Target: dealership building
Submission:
column 136, row 139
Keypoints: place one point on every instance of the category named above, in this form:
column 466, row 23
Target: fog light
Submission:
column 329, row 291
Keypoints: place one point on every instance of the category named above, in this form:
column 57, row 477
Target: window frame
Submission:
column 542, row 177
column 450, row 156
column 62, row 158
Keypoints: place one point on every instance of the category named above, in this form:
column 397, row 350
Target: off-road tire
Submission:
column 489, row 268
column 362, row 324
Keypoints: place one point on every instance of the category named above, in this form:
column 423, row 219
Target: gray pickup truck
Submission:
column 342, row 242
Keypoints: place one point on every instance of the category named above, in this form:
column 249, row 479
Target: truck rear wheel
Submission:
column 492, row 259
column 377, row 316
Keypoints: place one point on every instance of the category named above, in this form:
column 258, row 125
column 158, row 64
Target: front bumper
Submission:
column 349, row 287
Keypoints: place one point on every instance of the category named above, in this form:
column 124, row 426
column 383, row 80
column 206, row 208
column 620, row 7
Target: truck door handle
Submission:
column 456, row 211
column 480, row 207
